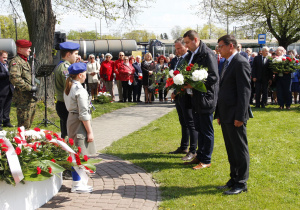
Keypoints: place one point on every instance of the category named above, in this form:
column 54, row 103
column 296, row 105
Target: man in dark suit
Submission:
column 6, row 91
column 203, row 104
column 239, row 50
column 232, row 113
column 262, row 76
column 137, row 86
column 189, row 135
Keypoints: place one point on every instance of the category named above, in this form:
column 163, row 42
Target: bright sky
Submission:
column 160, row 17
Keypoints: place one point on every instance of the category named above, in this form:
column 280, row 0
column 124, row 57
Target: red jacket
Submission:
column 126, row 72
column 117, row 65
column 107, row 70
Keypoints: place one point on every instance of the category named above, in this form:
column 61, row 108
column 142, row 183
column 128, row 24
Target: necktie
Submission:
column 178, row 62
column 264, row 60
column 225, row 65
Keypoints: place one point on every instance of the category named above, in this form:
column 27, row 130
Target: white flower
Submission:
column 178, row 79
column 199, row 75
column 35, row 134
column 277, row 60
column 171, row 73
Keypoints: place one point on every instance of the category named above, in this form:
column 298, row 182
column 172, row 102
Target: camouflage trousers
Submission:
column 25, row 114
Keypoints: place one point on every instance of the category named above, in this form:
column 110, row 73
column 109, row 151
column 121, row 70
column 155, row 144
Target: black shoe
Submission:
column 263, row 106
column 223, row 187
column 8, row 125
column 236, row 190
column 179, row 151
column 189, row 156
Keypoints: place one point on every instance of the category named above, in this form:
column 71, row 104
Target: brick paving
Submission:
column 118, row 184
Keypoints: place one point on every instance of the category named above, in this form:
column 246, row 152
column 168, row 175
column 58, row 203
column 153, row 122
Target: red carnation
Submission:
column 71, row 141
column 294, row 59
column 49, row 137
column 85, row 158
column 18, row 150
column 34, row 147
column 297, row 61
column 188, row 68
column 17, row 140
column 69, row 159
column 50, row 170
column 191, row 65
column 289, row 59
column 79, row 149
column 176, row 72
column 4, row 148
column 38, row 170
column 37, row 129
column 283, row 59
column 77, row 159
column 19, row 129
column 1, row 141
column 53, row 160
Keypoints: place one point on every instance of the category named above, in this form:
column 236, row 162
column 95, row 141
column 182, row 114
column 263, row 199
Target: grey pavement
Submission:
column 118, row 184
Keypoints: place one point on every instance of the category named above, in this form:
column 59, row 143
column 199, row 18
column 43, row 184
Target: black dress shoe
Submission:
column 235, row 190
column 223, row 187
column 189, row 156
column 8, row 125
column 179, row 151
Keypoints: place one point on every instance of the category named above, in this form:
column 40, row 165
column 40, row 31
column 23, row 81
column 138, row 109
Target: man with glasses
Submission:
column 117, row 65
column 232, row 113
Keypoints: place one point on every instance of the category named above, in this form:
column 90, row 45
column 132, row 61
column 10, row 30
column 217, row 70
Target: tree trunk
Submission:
column 41, row 27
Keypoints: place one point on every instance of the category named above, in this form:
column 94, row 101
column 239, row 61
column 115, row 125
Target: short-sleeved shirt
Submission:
column 61, row 73
column 78, row 101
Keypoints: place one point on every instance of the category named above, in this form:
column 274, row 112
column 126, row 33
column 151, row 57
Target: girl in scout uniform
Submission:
column 77, row 103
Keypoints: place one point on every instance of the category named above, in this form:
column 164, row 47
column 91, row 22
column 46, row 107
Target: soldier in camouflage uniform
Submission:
column 20, row 77
column 69, row 53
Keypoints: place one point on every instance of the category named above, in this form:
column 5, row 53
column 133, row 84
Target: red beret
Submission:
column 23, row 43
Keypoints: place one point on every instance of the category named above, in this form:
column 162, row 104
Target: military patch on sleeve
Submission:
column 14, row 64
column 67, row 65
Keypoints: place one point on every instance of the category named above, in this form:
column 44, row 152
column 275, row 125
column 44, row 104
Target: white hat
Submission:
column 108, row 54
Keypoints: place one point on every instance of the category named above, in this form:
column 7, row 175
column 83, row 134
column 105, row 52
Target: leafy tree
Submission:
column 176, row 32
column 8, row 29
column 166, row 36
column 279, row 17
column 139, row 35
column 210, row 31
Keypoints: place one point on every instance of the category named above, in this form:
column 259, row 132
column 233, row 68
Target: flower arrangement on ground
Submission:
column 103, row 97
column 280, row 65
column 190, row 74
column 37, row 155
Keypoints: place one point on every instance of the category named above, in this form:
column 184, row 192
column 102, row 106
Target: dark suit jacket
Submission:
column 5, row 85
column 244, row 54
column 260, row 71
column 173, row 63
column 137, row 70
column 205, row 103
column 234, row 93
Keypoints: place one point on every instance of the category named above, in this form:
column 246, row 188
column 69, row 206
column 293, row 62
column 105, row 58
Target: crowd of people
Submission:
column 234, row 79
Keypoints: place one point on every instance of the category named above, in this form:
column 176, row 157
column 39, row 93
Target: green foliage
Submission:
column 103, row 98
column 274, row 145
column 8, row 29
column 282, row 65
column 139, row 35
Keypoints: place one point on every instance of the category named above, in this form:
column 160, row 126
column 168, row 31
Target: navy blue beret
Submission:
column 77, row 68
column 69, row 46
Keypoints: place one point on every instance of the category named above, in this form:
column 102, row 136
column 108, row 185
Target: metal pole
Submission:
column 96, row 29
column 100, row 29
column 16, row 28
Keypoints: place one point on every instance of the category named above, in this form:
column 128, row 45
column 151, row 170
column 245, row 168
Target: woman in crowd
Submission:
column 106, row 74
column 283, row 84
column 148, row 67
column 126, row 71
column 77, row 103
column 93, row 68
column 160, row 67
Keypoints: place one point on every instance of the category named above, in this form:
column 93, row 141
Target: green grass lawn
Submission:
column 53, row 117
column 274, row 147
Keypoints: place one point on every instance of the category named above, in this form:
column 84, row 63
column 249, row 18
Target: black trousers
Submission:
column 204, row 126
column 137, row 91
column 261, row 88
column 5, row 104
column 238, row 154
column 63, row 113
column 189, row 135
column 284, row 90
column 127, row 91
